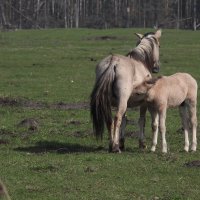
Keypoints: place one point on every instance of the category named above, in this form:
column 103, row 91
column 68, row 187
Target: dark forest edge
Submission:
column 26, row 14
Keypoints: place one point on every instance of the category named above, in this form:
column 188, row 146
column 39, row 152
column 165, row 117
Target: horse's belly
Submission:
column 130, row 104
column 133, row 102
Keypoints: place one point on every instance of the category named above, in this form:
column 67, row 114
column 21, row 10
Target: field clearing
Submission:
column 47, row 76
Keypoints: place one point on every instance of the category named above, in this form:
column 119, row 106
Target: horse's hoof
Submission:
column 116, row 149
column 121, row 144
column 110, row 148
column 142, row 145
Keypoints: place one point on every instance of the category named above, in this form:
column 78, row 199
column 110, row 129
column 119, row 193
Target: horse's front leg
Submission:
column 142, row 120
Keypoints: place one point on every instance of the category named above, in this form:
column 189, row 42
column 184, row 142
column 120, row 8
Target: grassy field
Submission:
column 46, row 79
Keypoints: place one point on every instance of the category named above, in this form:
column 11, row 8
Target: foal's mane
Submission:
column 144, row 51
column 153, row 80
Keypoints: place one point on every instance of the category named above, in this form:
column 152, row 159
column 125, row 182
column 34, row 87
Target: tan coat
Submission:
column 178, row 90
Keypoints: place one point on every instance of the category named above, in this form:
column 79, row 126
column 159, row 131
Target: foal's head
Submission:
column 149, row 45
column 141, row 90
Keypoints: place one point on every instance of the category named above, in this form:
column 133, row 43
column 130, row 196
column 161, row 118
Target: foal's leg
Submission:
column 122, row 132
column 141, row 122
column 154, row 125
column 185, row 124
column 117, row 123
column 193, row 119
column 162, row 118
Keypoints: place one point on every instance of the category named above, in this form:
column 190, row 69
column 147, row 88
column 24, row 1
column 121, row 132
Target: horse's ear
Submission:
column 140, row 36
column 158, row 33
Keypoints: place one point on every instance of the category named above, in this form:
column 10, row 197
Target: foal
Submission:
column 178, row 90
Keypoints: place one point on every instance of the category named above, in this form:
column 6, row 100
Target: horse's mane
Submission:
column 144, row 52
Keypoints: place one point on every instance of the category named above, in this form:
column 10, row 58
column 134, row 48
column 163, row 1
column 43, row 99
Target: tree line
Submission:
column 18, row 14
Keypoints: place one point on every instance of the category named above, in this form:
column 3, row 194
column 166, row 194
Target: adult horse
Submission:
column 116, row 78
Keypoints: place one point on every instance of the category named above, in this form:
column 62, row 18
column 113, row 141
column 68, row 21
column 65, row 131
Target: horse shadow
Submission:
column 66, row 148
column 60, row 148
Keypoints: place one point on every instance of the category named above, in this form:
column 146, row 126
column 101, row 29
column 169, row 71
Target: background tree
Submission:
column 100, row 13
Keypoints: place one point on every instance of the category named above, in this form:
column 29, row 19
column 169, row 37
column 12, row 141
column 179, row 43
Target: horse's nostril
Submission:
column 155, row 70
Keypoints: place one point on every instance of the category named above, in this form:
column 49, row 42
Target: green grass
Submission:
column 62, row 160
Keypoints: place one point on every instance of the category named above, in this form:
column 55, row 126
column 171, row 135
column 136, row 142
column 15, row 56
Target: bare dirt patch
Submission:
column 18, row 102
column 4, row 131
column 106, row 37
column 73, row 122
column 30, row 123
column 3, row 142
column 194, row 163
column 70, row 106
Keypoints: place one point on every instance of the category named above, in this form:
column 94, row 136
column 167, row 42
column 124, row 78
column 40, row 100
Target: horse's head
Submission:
column 149, row 42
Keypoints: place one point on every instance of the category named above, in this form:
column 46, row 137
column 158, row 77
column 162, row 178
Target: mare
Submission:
column 116, row 78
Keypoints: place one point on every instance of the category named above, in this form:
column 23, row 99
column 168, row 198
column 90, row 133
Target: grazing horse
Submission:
column 116, row 78
column 177, row 90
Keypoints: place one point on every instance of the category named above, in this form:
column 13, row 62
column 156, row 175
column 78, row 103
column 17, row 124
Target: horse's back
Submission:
column 125, row 68
column 176, row 88
column 112, row 60
column 128, row 74
column 186, row 80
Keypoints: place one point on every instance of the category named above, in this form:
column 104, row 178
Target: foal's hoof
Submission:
column 186, row 150
column 142, row 145
column 153, row 149
column 194, row 148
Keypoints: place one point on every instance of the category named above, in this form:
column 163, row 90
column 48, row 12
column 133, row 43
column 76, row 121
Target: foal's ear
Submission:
column 158, row 33
column 140, row 36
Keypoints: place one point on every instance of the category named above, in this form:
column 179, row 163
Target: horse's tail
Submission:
column 100, row 104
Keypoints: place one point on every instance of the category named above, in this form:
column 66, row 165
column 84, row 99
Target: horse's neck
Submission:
column 144, row 53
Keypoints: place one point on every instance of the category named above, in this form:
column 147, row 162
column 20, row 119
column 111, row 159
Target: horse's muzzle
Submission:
column 156, row 69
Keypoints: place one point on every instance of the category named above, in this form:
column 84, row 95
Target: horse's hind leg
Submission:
column 110, row 127
column 122, row 133
column 193, row 120
column 117, row 124
column 185, row 123
column 141, row 122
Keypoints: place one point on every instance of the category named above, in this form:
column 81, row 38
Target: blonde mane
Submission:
column 144, row 52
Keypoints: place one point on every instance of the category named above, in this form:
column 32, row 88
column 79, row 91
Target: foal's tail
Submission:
column 100, row 104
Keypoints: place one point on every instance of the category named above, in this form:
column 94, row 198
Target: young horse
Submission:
column 116, row 77
column 179, row 90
